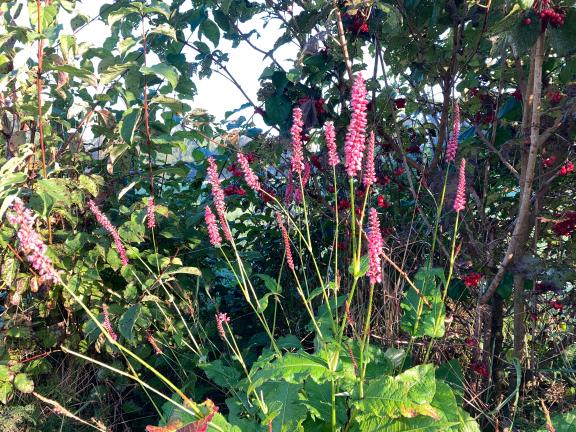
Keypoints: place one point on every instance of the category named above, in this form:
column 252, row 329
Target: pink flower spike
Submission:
column 369, row 170
column 289, row 258
column 212, row 225
column 375, row 244
column 356, row 136
column 222, row 318
column 330, row 134
column 30, row 242
column 107, row 225
column 460, row 201
column 107, row 324
column 217, row 192
column 452, row 146
column 249, row 176
column 296, row 132
column 151, row 217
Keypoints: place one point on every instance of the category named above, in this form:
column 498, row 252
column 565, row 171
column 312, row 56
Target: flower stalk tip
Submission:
column 107, row 225
column 460, row 200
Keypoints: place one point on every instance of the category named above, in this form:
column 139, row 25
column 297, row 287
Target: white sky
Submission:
column 216, row 94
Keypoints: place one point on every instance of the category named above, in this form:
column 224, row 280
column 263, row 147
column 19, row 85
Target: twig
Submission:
column 59, row 409
column 342, row 39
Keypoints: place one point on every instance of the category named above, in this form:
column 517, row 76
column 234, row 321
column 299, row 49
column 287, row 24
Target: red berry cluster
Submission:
column 567, row 225
column 548, row 162
column 549, row 14
column 566, row 169
column 472, row 279
column 554, row 97
column 234, row 190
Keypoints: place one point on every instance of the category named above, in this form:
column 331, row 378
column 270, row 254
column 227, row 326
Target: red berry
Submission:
column 527, row 21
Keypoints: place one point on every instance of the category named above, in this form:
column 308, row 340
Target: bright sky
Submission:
column 216, row 95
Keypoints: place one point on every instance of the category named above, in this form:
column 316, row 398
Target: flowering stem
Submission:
column 320, row 278
column 242, row 283
column 365, row 338
column 438, row 215
column 336, row 282
column 448, row 279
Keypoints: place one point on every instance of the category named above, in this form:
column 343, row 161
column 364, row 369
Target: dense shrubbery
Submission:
column 389, row 255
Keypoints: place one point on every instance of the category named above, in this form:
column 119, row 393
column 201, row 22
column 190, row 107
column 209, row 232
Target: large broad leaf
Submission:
column 170, row 73
column 224, row 376
column 128, row 320
column 317, row 399
column 449, row 418
column 114, row 71
column 419, row 319
column 293, row 368
column 286, row 413
column 406, row 395
column 23, row 383
column 128, row 124
column 83, row 74
column 562, row 422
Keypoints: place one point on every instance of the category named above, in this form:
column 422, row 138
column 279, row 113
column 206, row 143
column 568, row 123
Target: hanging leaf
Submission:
column 165, row 71
column 128, row 320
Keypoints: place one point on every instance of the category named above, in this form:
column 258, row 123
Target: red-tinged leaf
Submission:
column 172, row 427
column 201, row 425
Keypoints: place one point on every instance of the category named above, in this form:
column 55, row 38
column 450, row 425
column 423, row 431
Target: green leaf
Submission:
column 224, row 376
column 285, row 410
column 127, row 321
column 418, row 319
column 114, row 71
column 185, row 270
column 292, row 367
column 118, row 14
column 91, row 183
column 406, row 395
column 5, row 392
column 166, row 30
column 263, row 302
column 271, row 284
column 128, row 124
column 23, row 383
column 5, row 374
column 170, row 73
column 562, row 422
column 211, row 31
column 83, row 74
column 363, row 269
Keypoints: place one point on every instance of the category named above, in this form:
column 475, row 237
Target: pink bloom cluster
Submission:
column 152, row 341
column 460, row 200
column 296, row 132
column 249, row 176
column 107, row 225
column 212, row 225
column 375, row 244
column 452, row 146
column 151, row 217
column 330, row 134
column 355, row 137
column 107, row 324
column 218, row 196
column 289, row 259
column 222, row 318
column 369, row 170
column 30, row 242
